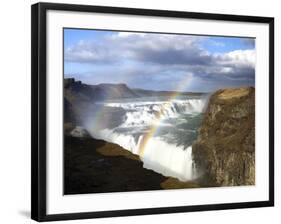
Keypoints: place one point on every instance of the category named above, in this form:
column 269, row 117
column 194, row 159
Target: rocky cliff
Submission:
column 225, row 149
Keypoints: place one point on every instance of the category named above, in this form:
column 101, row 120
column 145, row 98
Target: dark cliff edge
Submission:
column 224, row 151
column 96, row 166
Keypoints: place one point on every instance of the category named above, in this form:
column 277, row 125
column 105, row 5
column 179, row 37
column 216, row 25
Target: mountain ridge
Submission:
column 105, row 91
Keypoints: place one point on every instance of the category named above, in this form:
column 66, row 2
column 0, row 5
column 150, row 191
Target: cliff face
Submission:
column 225, row 149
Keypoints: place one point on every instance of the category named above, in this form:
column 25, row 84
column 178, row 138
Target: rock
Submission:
column 80, row 132
column 91, row 166
column 68, row 81
column 224, row 151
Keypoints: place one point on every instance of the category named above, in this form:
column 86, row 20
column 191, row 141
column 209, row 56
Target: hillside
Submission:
column 78, row 91
column 146, row 93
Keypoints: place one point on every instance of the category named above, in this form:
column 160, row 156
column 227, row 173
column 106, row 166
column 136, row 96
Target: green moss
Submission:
column 173, row 183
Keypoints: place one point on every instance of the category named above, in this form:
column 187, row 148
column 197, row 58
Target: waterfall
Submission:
column 144, row 113
column 162, row 156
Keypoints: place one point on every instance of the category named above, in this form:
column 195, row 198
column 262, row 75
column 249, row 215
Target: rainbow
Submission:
column 155, row 126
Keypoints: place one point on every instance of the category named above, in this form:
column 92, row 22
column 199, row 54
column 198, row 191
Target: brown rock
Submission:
column 225, row 149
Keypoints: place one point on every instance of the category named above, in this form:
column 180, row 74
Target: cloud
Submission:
column 151, row 60
column 89, row 52
column 161, row 49
column 240, row 58
column 153, row 48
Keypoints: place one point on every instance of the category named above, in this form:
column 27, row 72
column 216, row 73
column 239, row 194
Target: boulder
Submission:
column 80, row 132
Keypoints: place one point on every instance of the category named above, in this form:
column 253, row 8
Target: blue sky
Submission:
column 159, row 61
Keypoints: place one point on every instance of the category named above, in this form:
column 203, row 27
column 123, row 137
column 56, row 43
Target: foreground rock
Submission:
column 225, row 149
column 95, row 166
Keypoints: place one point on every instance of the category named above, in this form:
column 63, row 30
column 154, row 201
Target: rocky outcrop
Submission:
column 96, row 166
column 224, row 151
column 80, row 132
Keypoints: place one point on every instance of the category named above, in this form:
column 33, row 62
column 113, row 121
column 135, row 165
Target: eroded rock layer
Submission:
column 225, row 149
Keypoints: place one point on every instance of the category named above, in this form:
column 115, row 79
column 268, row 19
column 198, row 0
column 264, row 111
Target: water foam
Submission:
column 159, row 155
column 145, row 113
column 169, row 159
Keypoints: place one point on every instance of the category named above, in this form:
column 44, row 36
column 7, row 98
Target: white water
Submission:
column 144, row 113
column 176, row 161
column 161, row 155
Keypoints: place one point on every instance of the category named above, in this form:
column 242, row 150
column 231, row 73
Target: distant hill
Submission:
column 113, row 91
column 143, row 93
column 76, row 90
column 80, row 98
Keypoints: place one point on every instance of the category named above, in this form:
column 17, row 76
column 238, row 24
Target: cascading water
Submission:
column 160, row 132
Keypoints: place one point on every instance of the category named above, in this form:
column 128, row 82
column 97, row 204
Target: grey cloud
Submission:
column 154, row 48
column 160, row 61
column 90, row 52
column 190, row 56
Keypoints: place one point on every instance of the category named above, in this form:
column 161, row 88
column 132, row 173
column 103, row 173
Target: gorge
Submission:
column 166, row 133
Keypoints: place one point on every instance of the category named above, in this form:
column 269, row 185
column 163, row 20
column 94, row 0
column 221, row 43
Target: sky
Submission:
column 154, row 61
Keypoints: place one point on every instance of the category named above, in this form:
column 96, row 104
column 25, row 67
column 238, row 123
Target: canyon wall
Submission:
column 224, row 151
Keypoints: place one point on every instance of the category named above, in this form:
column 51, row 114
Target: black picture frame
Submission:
column 38, row 108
